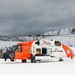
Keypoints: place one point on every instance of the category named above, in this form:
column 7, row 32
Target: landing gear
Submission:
column 5, row 59
column 71, row 57
column 60, row 59
column 11, row 56
column 5, row 56
column 12, row 60
column 24, row 60
column 33, row 59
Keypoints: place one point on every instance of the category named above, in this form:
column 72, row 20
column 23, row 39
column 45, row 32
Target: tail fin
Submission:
column 68, row 51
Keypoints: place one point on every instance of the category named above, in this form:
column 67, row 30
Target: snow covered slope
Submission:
column 65, row 35
column 4, row 44
column 68, row 40
column 61, row 31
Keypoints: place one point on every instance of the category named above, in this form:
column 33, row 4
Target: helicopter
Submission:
column 39, row 49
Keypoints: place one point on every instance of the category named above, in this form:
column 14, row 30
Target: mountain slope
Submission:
column 65, row 35
column 61, row 31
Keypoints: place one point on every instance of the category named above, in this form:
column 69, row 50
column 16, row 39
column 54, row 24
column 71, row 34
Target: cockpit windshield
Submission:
column 13, row 48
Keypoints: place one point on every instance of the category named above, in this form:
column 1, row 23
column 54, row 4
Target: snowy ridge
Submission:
column 64, row 35
column 68, row 40
column 61, row 31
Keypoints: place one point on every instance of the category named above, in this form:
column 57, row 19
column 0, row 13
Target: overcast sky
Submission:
column 35, row 16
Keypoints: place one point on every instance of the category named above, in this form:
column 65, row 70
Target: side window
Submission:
column 19, row 49
column 57, row 43
column 38, row 51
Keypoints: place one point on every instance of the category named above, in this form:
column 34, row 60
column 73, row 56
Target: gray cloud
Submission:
column 35, row 16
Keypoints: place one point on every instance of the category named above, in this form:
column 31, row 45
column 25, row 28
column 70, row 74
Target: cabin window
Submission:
column 44, row 50
column 38, row 51
column 57, row 43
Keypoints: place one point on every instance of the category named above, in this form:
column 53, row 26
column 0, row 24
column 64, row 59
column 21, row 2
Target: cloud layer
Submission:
column 35, row 16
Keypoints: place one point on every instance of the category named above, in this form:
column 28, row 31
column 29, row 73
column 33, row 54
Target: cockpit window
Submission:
column 57, row 43
column 19, row 48
column 13, row 48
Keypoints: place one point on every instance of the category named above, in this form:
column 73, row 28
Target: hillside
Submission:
column 65, row 35
column 61, row 31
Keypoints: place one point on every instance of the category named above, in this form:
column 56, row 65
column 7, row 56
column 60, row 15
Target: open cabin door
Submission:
column 36, row 50
column 44, row 51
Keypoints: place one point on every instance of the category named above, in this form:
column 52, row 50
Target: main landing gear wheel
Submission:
column 33, row 59
column 71, row 57
column 24, row 60
column 5, row 56
column 60, row 59
column 5, row 59
column 12, row 60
